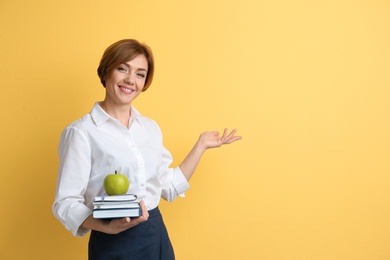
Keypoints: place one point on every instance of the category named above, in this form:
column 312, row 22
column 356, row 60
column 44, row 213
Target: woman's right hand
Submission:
column 116, row 226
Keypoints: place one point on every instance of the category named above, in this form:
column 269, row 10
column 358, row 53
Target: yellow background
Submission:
column 305, row 82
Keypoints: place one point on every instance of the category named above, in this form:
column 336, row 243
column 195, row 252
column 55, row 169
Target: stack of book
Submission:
column 117, row 206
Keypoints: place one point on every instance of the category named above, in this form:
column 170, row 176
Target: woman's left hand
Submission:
column 206, row 140
column 213, row 139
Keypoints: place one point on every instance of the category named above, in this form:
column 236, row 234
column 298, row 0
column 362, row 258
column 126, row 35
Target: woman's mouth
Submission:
column 125, row 89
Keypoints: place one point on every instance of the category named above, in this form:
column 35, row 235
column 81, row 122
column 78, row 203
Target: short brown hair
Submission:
column 121, row 52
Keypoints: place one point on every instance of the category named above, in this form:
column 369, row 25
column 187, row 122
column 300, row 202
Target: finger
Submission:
column 231, row 135
column 228, row 138
column 144, row 215
column 225, row 132
column 145, row 212
column 233, row 139
column 120, row 220
column 223, row 138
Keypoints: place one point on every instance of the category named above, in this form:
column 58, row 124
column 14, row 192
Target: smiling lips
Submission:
column 125, row 89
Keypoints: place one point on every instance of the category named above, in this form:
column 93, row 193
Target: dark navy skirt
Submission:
column 148, row 240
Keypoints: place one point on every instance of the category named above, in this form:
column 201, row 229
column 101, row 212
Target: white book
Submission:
column 116, row 205
column 124, row 197
column 116, row 213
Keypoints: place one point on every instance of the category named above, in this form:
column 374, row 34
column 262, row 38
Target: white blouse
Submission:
column 97, row 145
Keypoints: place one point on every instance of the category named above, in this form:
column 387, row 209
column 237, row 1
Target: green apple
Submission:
column 116, row 184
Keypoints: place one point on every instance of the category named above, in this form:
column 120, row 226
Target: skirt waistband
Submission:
column 154, row 213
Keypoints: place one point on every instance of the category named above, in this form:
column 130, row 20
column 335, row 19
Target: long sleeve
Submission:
column 73, row 178
column 172, row 180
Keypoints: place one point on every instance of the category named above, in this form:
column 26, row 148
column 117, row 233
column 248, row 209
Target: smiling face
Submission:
column 126, row 81
column 121, row 52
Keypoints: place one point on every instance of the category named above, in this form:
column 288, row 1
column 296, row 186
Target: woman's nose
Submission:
column 129, row 78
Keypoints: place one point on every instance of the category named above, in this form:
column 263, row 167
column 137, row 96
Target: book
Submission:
column 124, row 197
column 116, row 206
column 116, row 213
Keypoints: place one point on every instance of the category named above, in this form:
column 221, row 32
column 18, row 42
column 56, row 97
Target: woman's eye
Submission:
column 141, row 75
column 122, row 69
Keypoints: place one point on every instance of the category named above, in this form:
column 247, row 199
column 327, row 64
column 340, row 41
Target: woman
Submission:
column 114, row 136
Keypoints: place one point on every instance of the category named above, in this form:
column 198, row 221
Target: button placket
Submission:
column 140, row 165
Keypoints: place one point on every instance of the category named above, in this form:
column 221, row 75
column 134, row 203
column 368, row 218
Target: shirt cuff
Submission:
column 76, row 218
column 180, row 182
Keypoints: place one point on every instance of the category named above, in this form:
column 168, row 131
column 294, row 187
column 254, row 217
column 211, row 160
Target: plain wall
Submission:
column 305, row 82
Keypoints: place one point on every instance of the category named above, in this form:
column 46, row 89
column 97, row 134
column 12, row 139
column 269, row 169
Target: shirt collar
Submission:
column 99, row 116
column 135, row 115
